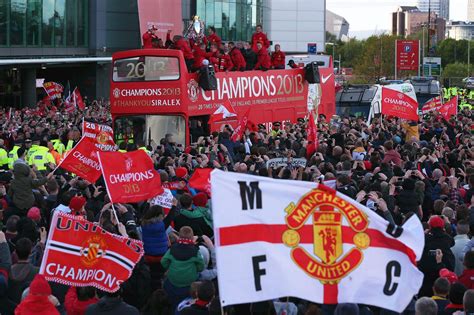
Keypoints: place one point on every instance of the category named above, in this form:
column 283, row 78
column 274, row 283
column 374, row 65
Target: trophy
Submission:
column 195, row 30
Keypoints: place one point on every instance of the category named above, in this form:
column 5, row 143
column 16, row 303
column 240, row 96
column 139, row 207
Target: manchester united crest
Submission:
column 193, row 90
column 93, row 249
column 330, row 262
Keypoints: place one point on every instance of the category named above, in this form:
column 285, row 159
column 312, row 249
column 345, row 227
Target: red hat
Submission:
column 436, row 222
column 200, row 199
column 76, row 204
column 39, row 286
column 449, row 275
column 34, row 214
column 181, row 172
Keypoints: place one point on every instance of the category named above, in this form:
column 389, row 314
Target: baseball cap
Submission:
column 181, row 172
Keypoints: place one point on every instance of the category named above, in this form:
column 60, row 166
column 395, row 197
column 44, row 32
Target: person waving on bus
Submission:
column 180, row 43
column 149, row 37
column 212, row 38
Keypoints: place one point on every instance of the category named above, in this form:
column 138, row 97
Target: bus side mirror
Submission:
column 207, row 78
column 311, row 73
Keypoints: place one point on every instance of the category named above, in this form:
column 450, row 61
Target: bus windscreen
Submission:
column 146, row 68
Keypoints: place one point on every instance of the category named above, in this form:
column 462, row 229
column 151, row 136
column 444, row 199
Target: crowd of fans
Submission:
column 230, row 56
column 396, row 168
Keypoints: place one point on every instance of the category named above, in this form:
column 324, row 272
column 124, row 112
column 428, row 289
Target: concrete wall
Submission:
column 294, row 24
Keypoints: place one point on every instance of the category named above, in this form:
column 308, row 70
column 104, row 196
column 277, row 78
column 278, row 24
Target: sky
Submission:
column 367, row 17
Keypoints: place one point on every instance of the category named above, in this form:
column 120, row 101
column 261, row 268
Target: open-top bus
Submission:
column 152, row 94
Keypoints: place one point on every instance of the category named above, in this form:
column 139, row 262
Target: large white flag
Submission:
column 278, row 238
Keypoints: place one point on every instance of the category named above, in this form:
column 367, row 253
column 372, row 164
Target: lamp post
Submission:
column 333, row 53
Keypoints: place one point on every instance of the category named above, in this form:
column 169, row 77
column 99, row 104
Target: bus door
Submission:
column 150, row 129
column 198, row 126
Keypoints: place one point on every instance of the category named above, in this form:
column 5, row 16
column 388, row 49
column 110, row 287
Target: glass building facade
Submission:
column 44, row 23
column 233, row 19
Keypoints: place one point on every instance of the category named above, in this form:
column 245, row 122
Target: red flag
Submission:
column 102, row 135
column 82, row 160
column 130, row 177
column 78, row 99
column 201, row 180
column 239, row 131
column 311, row 136
column 69, row 105
column 398, row 104
column 449, row 108
column 431, row 105
column 223, row 112
column 80, row 253
column 53, row 89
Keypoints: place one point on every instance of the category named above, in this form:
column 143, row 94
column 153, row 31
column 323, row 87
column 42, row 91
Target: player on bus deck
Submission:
column 149, row 36
column 180, row 43
column 263, row 59
column 278, row 58
column 260, row 36
column 237, row 58
column 212, row 38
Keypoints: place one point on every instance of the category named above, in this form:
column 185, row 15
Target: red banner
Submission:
column 311, row 136
column 450, row 108
column 398, row 104
column 80, row 253
column 239, row 131
column 82, row 160
column 53, row 89
column 408, row 54
column 431, row 105
column 201, row 180
column 102, row 135
column 79, row 102
column 130, row 177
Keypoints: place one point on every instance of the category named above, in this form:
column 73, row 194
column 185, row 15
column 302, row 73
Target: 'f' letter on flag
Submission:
column 323, row 246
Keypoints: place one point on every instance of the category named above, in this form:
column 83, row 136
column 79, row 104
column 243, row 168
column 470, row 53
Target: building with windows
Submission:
column 440, row 7
column 459, row 30
column 470, row 10
column 73, row 40
column 409, row 20
column 336, row 25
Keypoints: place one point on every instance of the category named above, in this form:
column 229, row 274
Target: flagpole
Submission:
column 107, row 187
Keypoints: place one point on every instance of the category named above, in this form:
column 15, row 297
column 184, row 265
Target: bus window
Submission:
column 149, row 129
column 146, row 68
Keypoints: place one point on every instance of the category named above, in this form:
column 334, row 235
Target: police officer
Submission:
column 13, row 155
column 141, row 146
column 58, row 145
column 3, row 156
column 122, row 147
column 41, row 157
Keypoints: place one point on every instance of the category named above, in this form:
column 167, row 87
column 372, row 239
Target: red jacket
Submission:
column 467, row 278
column 263, row 60
column 221, row 63
column 237, row 59
column 260, row 37
column 278, row 59
column 183, row 45
column 199, row 56
column 213, row 39
column 36, row 305
column 147, row 39
column 75, row 307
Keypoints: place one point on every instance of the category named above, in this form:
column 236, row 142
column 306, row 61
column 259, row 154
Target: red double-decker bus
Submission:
column 152, row 94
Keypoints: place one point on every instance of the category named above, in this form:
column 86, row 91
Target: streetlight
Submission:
column 333, row 51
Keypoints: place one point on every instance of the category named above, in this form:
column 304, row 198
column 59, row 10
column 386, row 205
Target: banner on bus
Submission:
column 80, row 253
column 102, row 135
column 130, row 177
column 322, row 245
